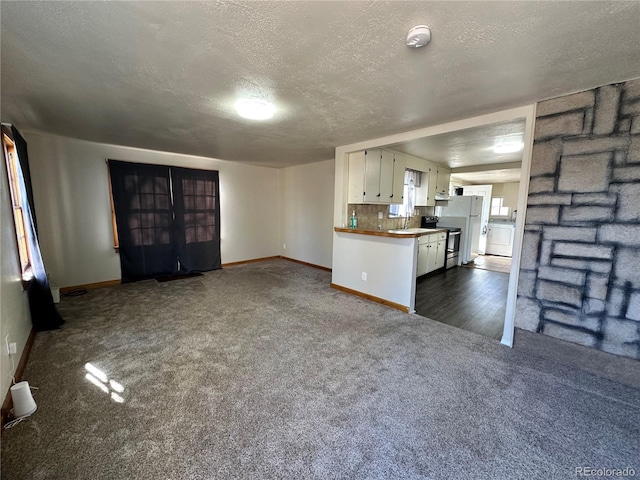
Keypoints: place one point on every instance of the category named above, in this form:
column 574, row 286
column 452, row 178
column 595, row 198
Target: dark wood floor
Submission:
column 467, row 298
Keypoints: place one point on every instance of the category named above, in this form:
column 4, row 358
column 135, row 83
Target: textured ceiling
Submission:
column 507, row 175
column 472, row 146
column 165, row 75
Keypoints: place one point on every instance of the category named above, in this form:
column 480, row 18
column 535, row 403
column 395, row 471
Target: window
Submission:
column 497, row 209
column 14, row 177
column 199, row 200
column 114, row 226
column 166, row 219
column 411, row 181
column 149, row 209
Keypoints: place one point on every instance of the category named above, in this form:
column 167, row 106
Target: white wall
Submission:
column 390, row 265
column 509, row 193
column 307, row 212
column 15, row 320
column 71, row 195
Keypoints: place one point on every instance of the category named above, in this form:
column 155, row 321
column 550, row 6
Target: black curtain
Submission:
column 44, row 315
column 144, row 217
column 196, row 202
column 23, row 159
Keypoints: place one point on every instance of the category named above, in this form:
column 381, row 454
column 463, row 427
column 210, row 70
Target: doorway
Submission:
column 500, row 120
column 483, row 191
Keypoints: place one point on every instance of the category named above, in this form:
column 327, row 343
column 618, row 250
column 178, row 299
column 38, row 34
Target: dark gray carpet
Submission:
column 263, row 371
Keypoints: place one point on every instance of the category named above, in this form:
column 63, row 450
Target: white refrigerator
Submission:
column 464, row 212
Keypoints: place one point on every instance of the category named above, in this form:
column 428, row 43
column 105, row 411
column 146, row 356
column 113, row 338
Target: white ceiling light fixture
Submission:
column 255, row 109
column 508, row 147
column 418, row 36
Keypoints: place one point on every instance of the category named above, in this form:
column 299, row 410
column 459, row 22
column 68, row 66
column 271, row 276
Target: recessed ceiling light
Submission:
column 509, row 147
column 255, row 109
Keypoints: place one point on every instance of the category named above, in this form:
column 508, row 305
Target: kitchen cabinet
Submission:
column 422, row 192
column 431, row 252
column 386, row 177
column 431, row 182
column 372, row 160
column 399, row 165
column 436, row 182
column 375, row 176
column 500, row 239
column 443, row 178
column 441, row 253
column 356, row 178
column 423, row 258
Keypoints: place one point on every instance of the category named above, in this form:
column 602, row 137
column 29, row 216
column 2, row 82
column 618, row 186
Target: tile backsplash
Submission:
column 368, row 217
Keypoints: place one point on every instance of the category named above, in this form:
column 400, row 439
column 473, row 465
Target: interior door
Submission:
column 483, row 191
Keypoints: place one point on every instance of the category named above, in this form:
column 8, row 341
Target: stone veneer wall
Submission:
column 580, row 267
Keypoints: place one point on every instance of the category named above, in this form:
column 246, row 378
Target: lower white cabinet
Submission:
column 441, row 255
column 423, row 258
column 431, row 252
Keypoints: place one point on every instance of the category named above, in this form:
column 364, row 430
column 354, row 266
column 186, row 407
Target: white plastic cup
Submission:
column 23, row 402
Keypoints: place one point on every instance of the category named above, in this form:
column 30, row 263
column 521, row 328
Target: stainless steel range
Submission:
column 453, row 239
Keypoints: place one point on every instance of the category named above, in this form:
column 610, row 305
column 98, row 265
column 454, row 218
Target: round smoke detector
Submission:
column 418, row 36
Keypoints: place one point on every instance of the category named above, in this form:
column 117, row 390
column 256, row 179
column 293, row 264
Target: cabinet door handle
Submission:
column 377, row 195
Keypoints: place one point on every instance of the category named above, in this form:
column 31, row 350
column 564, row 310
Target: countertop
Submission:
column 399, row 233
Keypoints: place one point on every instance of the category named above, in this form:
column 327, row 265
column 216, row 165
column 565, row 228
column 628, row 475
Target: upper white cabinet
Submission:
column 437, row 183
column 375, row 176
column 356, row 177
column 399, row 165
column 443, row 178
column 431, row 182
column 372, row 171
column 422, row 191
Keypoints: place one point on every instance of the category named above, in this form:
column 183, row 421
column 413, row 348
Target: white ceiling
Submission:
column 503, row 175
column 463, row 150
column 165, row 75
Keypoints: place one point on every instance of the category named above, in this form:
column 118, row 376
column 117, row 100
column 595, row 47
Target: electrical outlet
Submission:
column 12, row 348
column 364, row 276
column 284, row 246
column 379, row 215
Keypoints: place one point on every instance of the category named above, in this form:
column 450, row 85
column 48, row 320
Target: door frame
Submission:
column 527, row 112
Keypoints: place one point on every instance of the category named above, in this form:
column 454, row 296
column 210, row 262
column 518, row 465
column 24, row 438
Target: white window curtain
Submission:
column 414, row 175
column 412, row 180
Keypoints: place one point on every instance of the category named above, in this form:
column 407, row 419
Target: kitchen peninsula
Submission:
column 381, row 265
